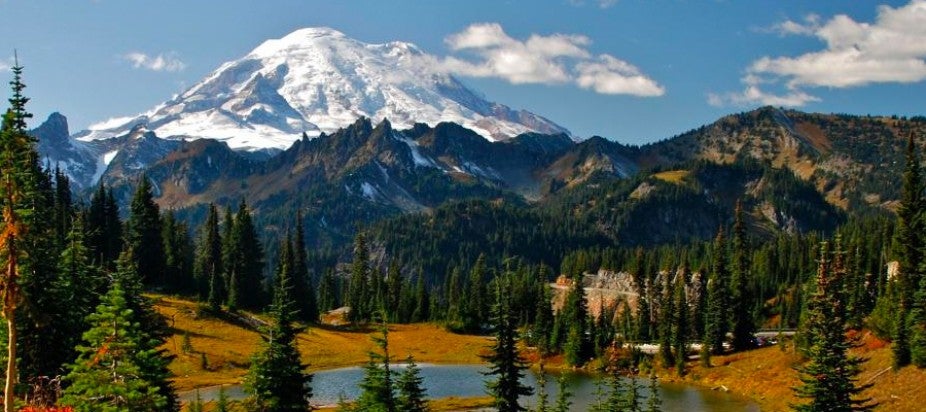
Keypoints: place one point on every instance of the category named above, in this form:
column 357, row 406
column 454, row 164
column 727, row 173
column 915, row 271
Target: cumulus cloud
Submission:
column 552, row 59
column 889, row 50
column 168, row 62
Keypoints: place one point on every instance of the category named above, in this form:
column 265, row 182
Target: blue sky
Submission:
column 631, row 70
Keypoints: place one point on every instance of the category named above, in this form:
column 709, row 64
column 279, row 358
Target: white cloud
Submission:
column 889, row 50
column 609, row 75
column 553, row 59
column 603, row 4
column 168, row 62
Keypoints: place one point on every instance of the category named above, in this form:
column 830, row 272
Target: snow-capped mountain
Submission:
column 317, row 80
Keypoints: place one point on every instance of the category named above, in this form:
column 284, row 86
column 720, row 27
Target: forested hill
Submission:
column 801, row 171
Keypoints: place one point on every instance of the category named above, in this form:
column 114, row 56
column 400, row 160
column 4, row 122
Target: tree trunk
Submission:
column 11, row 374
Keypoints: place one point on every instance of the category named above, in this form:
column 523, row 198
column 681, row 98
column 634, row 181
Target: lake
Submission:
column 467, row 381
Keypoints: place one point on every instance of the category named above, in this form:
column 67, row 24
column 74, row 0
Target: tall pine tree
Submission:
column 910, row 242
column 742, row 301
column 830, row 378
column 277, row 380
column 507, row 365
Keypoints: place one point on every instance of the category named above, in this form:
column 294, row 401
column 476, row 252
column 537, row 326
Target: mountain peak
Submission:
column 317, row 80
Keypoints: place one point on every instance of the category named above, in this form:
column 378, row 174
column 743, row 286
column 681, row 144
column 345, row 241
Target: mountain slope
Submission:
column 318, row 80
column 854, row 160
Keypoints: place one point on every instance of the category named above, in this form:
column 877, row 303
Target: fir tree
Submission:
column 303, row 288
column 910, row 241
column 277, row 380
column 680, row 320
column 578, row 346
column 742, row 300
column 830, row 378
column 143, row 235
column 19, row 191
column 474, row 314
column 104, row 229
column 209, row 267
column 377, row 387
column 328, row 291
column 716, row 317
column 410, row 385
column 563, row 396
column 358, row 295
column 245, row 261
column 109, row 374
column 507, row 366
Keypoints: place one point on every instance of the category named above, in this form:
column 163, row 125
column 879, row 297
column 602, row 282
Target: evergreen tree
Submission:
column 742, row 301
column 422, row 300
column 19, row 194
column 303, row 287
column 277, row 380
column 410, row 385
column 474, row 313
column 328, row 291
column 358, row 295
column 830, row 378
column 542, row 396
column 178, row 255
column 104, row 229
column 109, row 375
column 143, row 235
column 377, row 388
column 76, row 290
column 716, row 317
column 507, row 366
column 910, row 241
column 153, row 330
column 209, row 267
column 244, row 262
column 578, row 346
column 680, row 320
column 563, row 396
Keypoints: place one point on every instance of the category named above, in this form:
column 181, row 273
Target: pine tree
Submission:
column 410, row 385
column 680, row 322
column 830, row 378
column 716, row 317
column 277, row 380
column 742, row 300
column 507, row 366
column 244, row 261
column 563, row 396
column 474, row 314
column 422, row 300
column 910, row 241
column 377, row 387
column 578, row 346
column 542, row 395
column 328, row 291
column 76, row 290
column 109, row 375
column 304, row 287
column 18, row 194
column 209, row 267
column 358, row 295
column 143, row 235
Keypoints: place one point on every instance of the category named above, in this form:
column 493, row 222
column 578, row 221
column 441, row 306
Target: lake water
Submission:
column 442, row 381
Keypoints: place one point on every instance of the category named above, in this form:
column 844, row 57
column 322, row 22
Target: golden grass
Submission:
column 767, row 376
column 451, row 403
column 228, row 347
column 672, row 176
